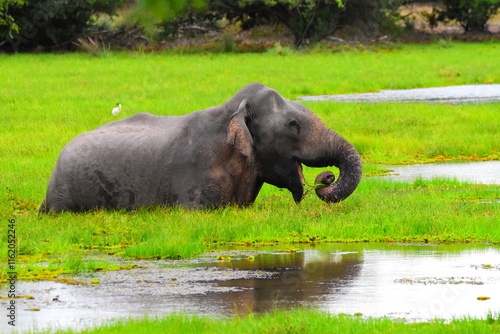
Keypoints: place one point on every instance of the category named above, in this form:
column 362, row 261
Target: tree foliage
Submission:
column 472, row 15
column 154, row 11
column 26, row 25
column 195, row 18
column 7, row 21
column 29, row 24
column 309, row 20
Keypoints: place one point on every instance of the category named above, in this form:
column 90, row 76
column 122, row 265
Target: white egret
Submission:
column 116, row 110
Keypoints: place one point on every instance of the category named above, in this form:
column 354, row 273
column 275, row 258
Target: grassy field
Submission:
column 46, row 100
column 298, row 321
column 49, row 99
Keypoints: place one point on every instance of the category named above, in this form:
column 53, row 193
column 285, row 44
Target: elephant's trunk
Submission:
column 344, row 156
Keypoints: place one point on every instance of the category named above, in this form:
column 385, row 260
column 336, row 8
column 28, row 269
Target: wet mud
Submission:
column 404, row 281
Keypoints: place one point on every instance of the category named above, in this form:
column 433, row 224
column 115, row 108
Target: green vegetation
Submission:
column 49, row 99
column 471, row 14
column 298, row 321
column 406, row 133
column 55, row 25
column 425, row 211
column 306, row 20
column 28, row 24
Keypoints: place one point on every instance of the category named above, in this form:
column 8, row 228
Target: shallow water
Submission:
column 450, row 95
column 485, row 172
column 414, row 282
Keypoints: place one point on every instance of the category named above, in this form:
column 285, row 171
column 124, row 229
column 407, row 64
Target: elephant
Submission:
column 208, row 158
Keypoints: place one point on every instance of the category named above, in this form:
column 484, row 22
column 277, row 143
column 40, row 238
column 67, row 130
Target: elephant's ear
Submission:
column 238, row 134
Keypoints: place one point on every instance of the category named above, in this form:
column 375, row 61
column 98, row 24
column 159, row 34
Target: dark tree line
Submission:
column 26, row 25
column 307, row 20
column 472, row 15
column 312, row 20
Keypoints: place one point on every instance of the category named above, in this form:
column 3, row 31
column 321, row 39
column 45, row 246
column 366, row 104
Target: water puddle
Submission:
column 413, row 282
column 485, row 172
column 449, row 95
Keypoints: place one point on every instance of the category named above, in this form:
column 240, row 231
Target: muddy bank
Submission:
column 152, row 288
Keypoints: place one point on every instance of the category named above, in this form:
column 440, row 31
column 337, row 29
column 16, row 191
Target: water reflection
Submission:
column 300, row 278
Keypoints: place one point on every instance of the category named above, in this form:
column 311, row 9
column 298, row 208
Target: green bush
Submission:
column 189, row 22
column 307, row 20
column 472, row 15
column 47, row 24
column 310, row 20
column 372, row 16
column 8, row 25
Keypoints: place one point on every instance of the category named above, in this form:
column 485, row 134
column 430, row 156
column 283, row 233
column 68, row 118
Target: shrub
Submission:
column 191, row 21
column 47, row 24
column 307, row 20
column 472, row 15
column 372, row 16
column 8, row 25
column 310, row 20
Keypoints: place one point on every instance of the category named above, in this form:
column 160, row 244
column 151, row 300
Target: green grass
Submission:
column 429, row 209
column 297, row 321
column 426, row 211
column 415, row 132
column 46, row 100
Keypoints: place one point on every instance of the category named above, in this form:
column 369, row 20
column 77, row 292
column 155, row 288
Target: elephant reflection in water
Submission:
column 298, row 278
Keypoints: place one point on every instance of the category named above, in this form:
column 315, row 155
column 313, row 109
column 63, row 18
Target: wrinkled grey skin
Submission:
column 218, row 156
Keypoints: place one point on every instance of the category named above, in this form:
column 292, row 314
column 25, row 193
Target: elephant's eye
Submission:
column 295, row 124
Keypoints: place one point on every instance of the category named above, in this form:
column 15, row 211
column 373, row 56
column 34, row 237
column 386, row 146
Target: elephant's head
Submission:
column 280, row 135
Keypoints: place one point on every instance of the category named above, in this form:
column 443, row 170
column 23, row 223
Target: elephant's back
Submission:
column 139, row 136
column 140, row 131
column 142, row 120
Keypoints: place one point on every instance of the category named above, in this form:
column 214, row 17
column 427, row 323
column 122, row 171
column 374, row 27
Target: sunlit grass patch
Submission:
column 293, row 321
column 415, row 132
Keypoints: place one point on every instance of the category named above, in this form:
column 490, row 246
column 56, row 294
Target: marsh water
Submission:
column 484, row 172
column 450, row 95
column 414, row 282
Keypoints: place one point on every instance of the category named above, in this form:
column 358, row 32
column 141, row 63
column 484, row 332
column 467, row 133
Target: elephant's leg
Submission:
column 59, row 199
